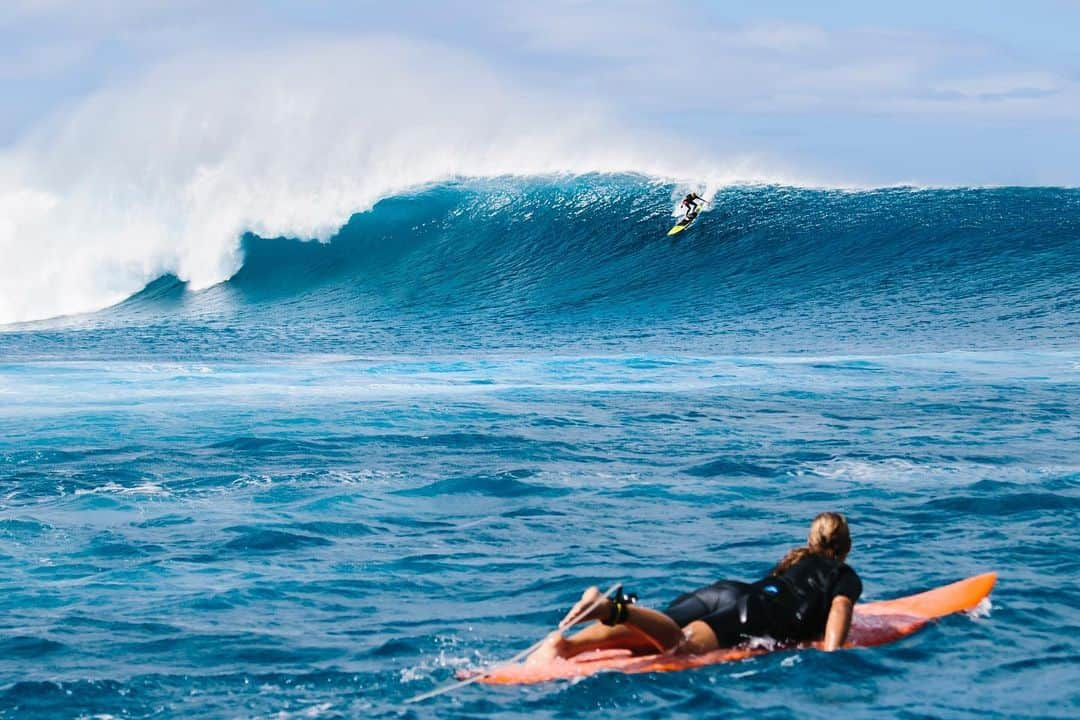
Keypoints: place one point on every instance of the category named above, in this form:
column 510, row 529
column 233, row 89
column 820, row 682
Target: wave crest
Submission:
column 498, row 261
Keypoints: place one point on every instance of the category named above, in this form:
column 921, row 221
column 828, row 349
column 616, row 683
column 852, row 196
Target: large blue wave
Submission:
column 560, row 262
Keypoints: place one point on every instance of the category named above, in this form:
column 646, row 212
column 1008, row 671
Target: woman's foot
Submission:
column 592, row 606
column 554, row 648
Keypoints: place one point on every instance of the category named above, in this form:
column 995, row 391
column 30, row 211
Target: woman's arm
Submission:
column 838, row 624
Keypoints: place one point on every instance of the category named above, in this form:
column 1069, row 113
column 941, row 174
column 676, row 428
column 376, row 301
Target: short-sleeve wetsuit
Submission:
column 791, row 607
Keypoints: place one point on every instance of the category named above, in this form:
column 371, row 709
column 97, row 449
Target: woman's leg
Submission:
column 644, row 629
column 595, row 637
column 699, row 638
column 696, row 638
column 712, row 618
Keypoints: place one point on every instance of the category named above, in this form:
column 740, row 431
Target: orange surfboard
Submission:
column 874, row 623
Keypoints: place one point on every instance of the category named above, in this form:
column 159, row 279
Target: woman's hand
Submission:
column 592, row 606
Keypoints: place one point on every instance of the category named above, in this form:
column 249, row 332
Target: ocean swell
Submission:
column 584, row 260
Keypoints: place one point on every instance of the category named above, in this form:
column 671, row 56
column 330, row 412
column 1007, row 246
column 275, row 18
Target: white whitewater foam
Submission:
column 112, row 488
column 982, row 610
column 165, row 173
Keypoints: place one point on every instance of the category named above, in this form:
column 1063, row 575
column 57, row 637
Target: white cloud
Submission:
column 652, row 53
column 1002, row 85
column 784, row 38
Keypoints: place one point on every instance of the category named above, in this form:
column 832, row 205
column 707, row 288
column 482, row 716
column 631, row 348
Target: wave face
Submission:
column 540, row 262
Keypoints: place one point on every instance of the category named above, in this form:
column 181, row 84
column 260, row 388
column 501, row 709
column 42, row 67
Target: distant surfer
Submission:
column 691, row 205
column 809, row 595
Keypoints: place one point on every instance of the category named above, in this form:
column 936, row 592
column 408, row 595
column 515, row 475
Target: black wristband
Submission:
column 620, row 608
column 617, row 614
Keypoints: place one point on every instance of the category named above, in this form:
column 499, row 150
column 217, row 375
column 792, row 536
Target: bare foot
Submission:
column 592, row 606
column 554, row 648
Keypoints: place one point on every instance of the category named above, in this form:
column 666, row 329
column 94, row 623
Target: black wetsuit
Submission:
column 690, row 202
column 791, row 607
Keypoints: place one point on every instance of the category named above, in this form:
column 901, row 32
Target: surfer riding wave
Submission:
column 810, row 594
column 691, row 205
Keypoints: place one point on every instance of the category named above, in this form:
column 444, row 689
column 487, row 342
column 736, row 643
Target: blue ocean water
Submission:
column 327, row 484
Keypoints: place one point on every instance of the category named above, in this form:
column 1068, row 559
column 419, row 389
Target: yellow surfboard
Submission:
column 683, row 224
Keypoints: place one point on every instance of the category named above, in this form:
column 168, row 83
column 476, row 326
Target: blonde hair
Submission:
column 829, row 537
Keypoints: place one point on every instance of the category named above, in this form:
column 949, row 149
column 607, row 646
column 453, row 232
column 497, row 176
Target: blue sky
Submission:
column 867, row 93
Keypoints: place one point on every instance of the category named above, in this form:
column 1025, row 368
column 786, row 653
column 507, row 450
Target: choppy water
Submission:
column 324, row 486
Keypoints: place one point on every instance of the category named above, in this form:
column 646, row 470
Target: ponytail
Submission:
column 793, row 557
column 829, row 537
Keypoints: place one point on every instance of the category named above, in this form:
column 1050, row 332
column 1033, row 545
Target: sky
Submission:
column 935, row 93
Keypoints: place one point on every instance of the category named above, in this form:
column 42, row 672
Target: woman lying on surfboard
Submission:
column 809, row 594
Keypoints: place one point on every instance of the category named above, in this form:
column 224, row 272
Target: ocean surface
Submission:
column 357, row 467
